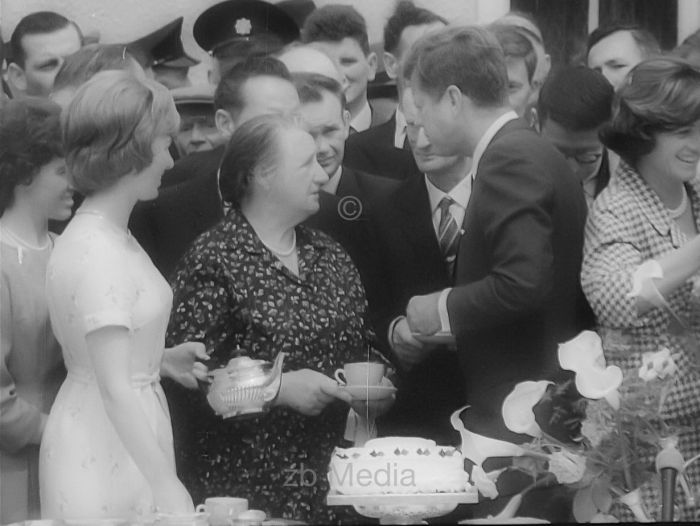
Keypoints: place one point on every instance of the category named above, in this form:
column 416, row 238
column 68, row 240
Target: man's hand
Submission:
column 371, row 409
column 181, row 364
column 423, row 315
column 309, row 392
column 407, row 349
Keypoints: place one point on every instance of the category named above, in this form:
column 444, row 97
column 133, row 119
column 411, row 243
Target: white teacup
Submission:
column 360, row 373
column 222, row 509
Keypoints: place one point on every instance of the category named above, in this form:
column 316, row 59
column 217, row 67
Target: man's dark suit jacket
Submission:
column 412, row 264
column 346, row 216
column 167, row 226
column 373, row 151
column 517, row 272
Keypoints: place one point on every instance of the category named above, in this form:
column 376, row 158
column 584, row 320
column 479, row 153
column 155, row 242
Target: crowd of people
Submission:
column 457, row 232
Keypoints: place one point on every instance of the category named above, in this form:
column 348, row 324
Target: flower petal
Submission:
column 581, row 352
column 517, row 407
column 595, row 382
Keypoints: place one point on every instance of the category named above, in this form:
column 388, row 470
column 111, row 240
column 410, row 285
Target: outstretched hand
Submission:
column 181, row 363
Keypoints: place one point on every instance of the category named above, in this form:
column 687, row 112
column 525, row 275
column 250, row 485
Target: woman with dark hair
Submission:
column 34, row 188
column 262, row 282
column 641, row 263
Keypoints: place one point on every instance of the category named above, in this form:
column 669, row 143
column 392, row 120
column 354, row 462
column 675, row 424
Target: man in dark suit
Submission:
column 518, row 261
column 384, row 149
column 408, row 234
column 192, row 204
column 348, row 200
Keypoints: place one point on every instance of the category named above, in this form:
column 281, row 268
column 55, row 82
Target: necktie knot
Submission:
column 445, row 204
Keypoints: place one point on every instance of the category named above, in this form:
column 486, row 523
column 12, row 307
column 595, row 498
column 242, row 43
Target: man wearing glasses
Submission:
column 574, row 103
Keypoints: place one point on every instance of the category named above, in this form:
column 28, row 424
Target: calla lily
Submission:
column 484, row 483
column 584, row 356
column 517, row 407
column 478, row 448
column 658, row 364
column 596, row 383
column 584, row 350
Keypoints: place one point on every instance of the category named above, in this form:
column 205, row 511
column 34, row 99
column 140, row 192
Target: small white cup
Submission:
column 360, row 373
column 222, row 509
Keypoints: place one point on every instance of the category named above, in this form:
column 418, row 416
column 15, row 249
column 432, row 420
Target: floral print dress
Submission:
column 231, row 292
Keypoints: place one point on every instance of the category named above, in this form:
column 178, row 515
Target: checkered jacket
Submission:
column 628, row 225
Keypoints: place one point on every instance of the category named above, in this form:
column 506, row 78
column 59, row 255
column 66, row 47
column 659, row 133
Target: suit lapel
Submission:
column 417, row 225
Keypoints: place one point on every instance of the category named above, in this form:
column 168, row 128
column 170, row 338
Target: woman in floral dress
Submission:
column 642, row 249
column 260, row 282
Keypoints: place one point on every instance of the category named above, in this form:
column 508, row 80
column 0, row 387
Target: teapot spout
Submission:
column 275, row 380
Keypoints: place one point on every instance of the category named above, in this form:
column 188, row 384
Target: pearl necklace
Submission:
column 677, row 212
column 282, row 253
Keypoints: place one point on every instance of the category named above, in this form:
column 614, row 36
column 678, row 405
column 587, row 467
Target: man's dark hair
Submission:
column 577, row 98
column 516, row 45
column 645, row 40
column 405, row 15
column 89, row 60
column 229, row 93
column 237, row 51
column 333, row 23
column 40, row 22
column 468, row 57
column 310, row 87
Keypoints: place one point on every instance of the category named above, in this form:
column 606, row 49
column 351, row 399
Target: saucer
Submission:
column 442, row 338
column 371, row 392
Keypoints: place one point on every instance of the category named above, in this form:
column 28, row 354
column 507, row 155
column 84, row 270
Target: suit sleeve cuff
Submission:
column 442, row 310
column 390, row 332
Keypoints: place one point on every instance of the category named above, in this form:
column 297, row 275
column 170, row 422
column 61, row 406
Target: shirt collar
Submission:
column 459, row 194
column 363, row 120
column 488, row 136
column 332, row 185
column 400, row 129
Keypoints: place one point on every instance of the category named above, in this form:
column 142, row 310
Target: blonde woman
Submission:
column 107, row 449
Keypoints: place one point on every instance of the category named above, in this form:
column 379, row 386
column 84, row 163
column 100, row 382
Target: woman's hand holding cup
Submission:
column 309, row 392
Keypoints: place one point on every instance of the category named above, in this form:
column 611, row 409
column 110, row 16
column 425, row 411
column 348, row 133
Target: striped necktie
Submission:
column 448, row 234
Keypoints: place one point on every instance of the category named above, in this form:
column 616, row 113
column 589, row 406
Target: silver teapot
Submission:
column 245, row 386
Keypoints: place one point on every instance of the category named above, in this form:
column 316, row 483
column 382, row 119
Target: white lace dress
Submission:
column 99, row 276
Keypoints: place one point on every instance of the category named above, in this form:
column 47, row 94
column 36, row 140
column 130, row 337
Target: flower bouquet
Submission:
column 602, row 433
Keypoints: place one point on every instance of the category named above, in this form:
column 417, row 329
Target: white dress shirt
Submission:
column 332, row 185
column 400, row 129
column 481, row 146
column 363, row 120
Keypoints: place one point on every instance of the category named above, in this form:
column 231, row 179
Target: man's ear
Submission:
column 16, row 78
column 224, row 123
column 391, row 65
column 453, row 95
column 372, row 61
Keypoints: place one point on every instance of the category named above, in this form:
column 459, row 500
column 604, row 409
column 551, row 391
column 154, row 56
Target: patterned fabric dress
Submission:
column 627, row 226
column 229, row 292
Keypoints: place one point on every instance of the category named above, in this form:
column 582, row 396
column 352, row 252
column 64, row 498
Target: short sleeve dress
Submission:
column 99, row 276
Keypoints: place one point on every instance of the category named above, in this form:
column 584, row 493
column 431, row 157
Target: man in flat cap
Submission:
column 198, row 131
column 163, row 53
column 233, row 30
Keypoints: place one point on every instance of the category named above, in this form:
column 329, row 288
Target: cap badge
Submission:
column 243, row 26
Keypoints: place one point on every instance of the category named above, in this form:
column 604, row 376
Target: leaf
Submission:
column 600, row 493
column 583, row 507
